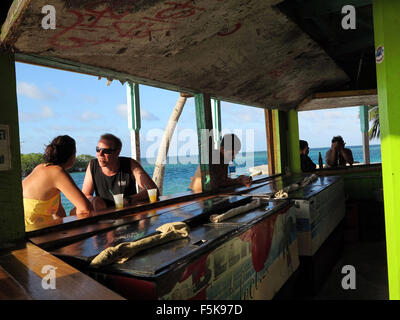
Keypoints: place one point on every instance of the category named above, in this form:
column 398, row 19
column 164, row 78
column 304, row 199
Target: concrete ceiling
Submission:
column 247, row 52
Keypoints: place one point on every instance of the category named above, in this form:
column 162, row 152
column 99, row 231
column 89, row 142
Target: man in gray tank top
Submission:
column 111, row 174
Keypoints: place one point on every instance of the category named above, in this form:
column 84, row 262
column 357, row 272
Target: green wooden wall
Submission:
column 12, row 226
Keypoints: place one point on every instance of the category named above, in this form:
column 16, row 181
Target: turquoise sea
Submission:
column 179, row 170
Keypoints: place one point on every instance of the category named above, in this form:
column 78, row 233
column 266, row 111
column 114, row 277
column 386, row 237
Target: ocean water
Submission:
column 179, row 170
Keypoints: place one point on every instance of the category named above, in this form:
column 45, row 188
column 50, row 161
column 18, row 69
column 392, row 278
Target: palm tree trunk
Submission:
column 159, row 168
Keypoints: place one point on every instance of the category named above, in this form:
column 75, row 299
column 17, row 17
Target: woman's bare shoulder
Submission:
column 49, row 171
column 44, row 167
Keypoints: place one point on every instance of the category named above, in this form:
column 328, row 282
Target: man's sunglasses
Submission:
column 105, row 150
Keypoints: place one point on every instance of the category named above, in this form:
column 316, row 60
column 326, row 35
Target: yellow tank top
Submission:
column 39, row 211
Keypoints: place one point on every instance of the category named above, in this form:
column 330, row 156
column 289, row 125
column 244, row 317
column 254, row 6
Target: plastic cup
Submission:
column 152, row 195
column 119, row 200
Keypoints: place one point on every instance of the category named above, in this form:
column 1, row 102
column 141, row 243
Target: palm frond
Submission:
column 373, row 115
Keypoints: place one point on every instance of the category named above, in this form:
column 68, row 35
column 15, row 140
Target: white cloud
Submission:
column 90, row 99
column 31, row 91
column 89, row 115
column 122, row 110
column 45, row 113
column 144, row 114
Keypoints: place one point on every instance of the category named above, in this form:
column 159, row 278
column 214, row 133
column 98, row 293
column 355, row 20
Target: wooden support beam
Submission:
column 293, row 141
column 283, row 135
column 386, row 33
column 134, row 121
column 12, row 22
column 339, row 99
column 67, row 65
column 205, row 139
column 269, row 129
column 12, row 227
column 364, row 124
column 216, row 116
column 281, row 154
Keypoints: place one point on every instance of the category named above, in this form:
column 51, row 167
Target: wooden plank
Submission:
column 339, row 99
column 193, row 215
column 269, row 129
column 26, row 265
column 73, row 66
column 348, row 170
column 293, row 141
column 73, row 221
column 76, row 233
column 10, row 289
column 13, row 20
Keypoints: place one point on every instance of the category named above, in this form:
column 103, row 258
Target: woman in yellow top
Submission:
column 42, row 187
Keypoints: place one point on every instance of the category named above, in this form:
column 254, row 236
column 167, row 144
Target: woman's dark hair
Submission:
column 59, row 150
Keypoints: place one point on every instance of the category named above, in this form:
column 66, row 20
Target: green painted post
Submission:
column 387, row 30
column 216, row 109
column 293, row 141
column 287, row 141
column 134, row 122
column 12, row 228
column 277, row 140
column 364, row 118
column 364, row 124
column 204, row 127
column 133, row 106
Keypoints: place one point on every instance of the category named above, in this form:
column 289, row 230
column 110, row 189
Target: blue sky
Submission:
column 53, row 102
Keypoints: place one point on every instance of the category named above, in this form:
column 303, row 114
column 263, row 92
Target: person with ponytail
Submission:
column 42, row 187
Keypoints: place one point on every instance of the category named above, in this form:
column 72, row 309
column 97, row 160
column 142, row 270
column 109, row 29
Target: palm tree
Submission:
column 159, row 168
column 373, row 115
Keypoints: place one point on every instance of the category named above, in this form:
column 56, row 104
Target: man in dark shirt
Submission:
column 306, row 163
column 112, row 173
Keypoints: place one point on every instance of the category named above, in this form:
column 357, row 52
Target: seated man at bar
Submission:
column 109, row 175
column 338, row 155
column 229, row 147
column 306, row 163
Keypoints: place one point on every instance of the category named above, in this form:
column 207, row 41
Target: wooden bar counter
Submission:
column 21, row 278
